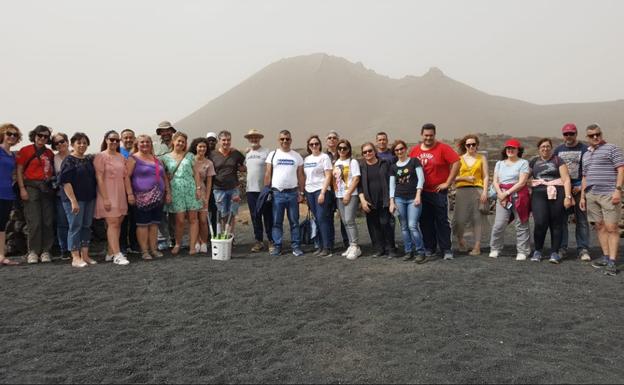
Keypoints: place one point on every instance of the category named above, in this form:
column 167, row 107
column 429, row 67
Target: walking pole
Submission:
column 212, row 233
column 227, row 225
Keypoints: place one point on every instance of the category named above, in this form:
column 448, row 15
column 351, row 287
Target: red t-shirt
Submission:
column 39, row 168
column 436, row 163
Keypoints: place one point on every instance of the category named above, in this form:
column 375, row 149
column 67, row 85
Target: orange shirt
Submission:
column 39, row 168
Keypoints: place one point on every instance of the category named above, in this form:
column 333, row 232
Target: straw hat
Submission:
column 253, row 132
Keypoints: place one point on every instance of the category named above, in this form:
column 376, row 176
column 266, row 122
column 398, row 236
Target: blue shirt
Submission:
column 600, row 168
column 573, row 158
column 510, row 174
column 7, row 167
column 124, row 152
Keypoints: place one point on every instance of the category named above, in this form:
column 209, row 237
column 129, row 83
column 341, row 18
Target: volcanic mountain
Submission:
column 316, row 93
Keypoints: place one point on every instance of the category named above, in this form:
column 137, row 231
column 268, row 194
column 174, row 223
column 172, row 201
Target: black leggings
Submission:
column 5, row 210
column 547, row 213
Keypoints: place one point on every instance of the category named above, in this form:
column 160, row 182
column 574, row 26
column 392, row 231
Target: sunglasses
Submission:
column 471, row 145
column 314, row 144
column 569, row 134
column 342, row 148
column 285, row 139
column 510, row 148
column 113, row 140
column 594, row 136
column 62, row 141
column 399, row 149
column 367, row 152
column 332, row 138
column 11, row 134
column 43, row 136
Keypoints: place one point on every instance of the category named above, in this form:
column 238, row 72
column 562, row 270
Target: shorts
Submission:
column 5, row 211
column 225, row 205
column 600, row 209
column 148, row 217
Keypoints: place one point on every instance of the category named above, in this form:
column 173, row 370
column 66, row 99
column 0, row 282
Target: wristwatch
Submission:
column 301, row 193
column 619, row 188
column 568, row 196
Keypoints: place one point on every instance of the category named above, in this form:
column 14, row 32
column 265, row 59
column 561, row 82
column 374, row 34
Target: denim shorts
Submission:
column 225, row 205
column 148, row 217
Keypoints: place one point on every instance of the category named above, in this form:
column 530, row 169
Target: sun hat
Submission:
column 253, row 132
column 570, row 127
column 211, row 135
column 515, row 143
column 164, row 125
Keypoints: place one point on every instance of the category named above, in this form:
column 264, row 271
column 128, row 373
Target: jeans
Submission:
column 380, row 225
column 266, row 215
column 321, row 217
column 330, row 197
column 523, row 232
column 348, row 214
column 62, row 226
column 286, row 201
column 582, row 226
column 79, row 234
column 434, row 222
column 547, row 214
column 408, row 217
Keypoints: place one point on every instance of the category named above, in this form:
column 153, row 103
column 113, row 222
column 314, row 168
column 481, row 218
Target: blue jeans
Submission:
column 434, row 221
column 266, row 215
column 409, row 217
column 321, row 217
column 79, row 234
column 286, row 201
column 582, row 227
column 62, row 226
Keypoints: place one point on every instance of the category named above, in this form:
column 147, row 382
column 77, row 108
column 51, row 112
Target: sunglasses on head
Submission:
column 369, row 151
column 471, row 145
column 594, row 136
column 11, row 134
column 569, row 134
column 342, row 148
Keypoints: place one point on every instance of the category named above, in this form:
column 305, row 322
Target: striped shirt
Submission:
column 600, row 166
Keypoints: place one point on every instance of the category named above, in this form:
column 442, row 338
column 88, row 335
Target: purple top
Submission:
column 144, row 175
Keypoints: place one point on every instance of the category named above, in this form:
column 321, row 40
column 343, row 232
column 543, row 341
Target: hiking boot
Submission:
column 611, row 268
column 257, row 247
column 45, row 257
column 420, row 258
column 600, row 262
column 555, row 258
column 537, row 256
column 32, row 258
column 584, row 255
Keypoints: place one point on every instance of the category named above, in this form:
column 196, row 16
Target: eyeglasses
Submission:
column 594, row 136
column 569, row 134
column 314, row 144
column 342, row 148
column 370, row 151
column 510, row 148
column 43, row 136
column 471, row 145
column 285, row 139
column 11, row 134
column 545, row 147
column 399, row 149
column 113, row 140
column 332, row 138
column 62, row 141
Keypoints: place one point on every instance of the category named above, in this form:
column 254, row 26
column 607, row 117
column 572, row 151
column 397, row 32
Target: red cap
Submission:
column 513, row 143
column 570, row 127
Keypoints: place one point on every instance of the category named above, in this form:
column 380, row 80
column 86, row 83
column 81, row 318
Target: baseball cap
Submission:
column 211, row 135
column 513, row 143
column 570, row 127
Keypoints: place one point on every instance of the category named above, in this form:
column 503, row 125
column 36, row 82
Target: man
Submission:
column 228, row 162
column 127, row 142
column 440, row 165
column 167, row 226
column 255, row 161
column 571, row 151
column 331, row 142
column 284, row 173
column 127, row 236
column 383, row 152
column 601, row 194
column 212, row 206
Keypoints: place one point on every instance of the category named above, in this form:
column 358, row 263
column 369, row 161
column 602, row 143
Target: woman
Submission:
column 60, row 144
column 406, row 183
column 10, row 135
column 346, row 177
column 550, row 197
column 205, row 167
column 471, row 192
column 317, row 168
column 185, row 191
column 375, row 198
column 513, row 202
column 148, row 191
column 77, row 177
column 35, row 170
column 111, row 203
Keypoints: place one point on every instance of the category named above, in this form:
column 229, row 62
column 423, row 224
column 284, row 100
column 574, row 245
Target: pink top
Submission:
column 112, row 169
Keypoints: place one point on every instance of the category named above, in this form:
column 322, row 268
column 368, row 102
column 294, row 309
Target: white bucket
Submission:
column 222, row 249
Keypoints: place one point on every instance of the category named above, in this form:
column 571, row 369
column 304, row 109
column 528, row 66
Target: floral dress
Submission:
column 183, row 188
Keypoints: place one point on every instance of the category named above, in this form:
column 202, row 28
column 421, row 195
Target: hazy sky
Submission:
column 97, row 65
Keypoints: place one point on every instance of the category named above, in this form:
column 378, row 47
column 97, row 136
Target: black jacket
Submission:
column 384, row 170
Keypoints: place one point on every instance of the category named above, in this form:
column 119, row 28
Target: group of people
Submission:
column 149, row 193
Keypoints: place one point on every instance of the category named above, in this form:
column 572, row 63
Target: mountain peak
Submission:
column 434, row 72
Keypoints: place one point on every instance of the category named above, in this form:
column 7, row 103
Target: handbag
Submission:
column 152, row 198
column 307, row 230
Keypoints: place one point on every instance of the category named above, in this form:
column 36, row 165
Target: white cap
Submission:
column 211, row 135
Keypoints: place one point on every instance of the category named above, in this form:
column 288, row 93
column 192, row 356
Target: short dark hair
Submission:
column 427, row 127
column 346, row 142
column 285, row 132
column 381, row 133
column 79, row 136
column 38, row 130
column 544, row 140
column 369, row 144
column 593, row 126
column 224, row 133
column 195, row 143
column 396, row 143
column 62, row 135
column 126, row 130
column 104, row 145
column 308, row 143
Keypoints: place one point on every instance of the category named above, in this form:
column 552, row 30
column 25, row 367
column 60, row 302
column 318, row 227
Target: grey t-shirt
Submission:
column 255, row 162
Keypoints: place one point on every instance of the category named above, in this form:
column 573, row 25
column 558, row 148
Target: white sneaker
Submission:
column 109, row 258
column 521, row 257
column 585, row 256
column 203, row 248
column 347, row 251
column 120, row 259
column 197, row 247
column 32, row 258
column 45, row 257
column 493, row 254
column 355, row 253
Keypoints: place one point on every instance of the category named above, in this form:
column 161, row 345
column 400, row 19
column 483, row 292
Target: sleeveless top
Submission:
column 143, row 176
column 475, row 170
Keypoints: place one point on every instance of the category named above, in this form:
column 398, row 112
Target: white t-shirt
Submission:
column 314, row 167
column 285, row 166
column 255, row 160
column 344, row 171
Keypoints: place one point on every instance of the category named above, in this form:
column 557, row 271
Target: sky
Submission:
column 91, row 66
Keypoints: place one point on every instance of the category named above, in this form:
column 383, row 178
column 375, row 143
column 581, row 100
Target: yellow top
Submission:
column 476, row 170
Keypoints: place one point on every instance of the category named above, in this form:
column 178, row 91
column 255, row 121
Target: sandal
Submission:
column 146, row 256
column 475, row 253
column 156, row 254
column 7, row 262
column 175, row 250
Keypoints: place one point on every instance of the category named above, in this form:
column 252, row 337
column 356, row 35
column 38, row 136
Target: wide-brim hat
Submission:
column 253, row 132
column 164, row 125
